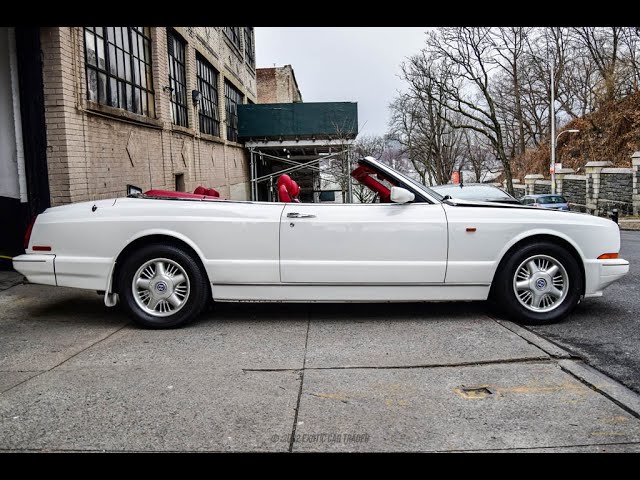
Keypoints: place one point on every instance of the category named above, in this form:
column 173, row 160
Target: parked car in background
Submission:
column 552, row 201
column 476, row 191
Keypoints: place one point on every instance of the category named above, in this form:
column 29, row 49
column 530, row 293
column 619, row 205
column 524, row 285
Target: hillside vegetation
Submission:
column 611, row 133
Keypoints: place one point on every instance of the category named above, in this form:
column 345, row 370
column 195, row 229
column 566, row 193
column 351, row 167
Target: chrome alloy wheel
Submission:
column 161, row 287
column 541, row 283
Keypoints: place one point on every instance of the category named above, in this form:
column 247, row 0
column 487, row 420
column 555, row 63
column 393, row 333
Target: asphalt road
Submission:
column 605, row 331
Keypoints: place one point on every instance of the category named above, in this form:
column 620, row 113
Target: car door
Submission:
column 387, row 244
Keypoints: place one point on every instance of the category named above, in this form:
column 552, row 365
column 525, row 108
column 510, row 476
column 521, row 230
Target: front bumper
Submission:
column 37, row 268
column 602, row 273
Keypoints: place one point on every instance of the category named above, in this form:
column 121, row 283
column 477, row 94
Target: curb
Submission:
column 610, row 388
column 543, row 344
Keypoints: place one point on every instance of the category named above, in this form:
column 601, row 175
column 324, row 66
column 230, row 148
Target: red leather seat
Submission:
column 200, row 193
column 363, row 174
column 288, row 189
column 210, row 192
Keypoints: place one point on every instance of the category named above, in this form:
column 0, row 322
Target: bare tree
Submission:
column 491, row 89
column 422, row 122
column 602, row 44
column 509, row 44
column 367, row 146
column 460, row 63
column 478, row 156
column 404, row 128
column 336, row 171
column 630, row 41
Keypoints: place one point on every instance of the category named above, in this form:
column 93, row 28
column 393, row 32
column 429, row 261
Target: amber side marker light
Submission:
column 41, row 248
column 608, row 256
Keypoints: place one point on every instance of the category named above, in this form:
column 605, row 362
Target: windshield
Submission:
column 473, row 192
column 431, row 191
column 380, row 177
column 552, row 199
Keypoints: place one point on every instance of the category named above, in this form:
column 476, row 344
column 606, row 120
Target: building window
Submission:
column 118, row 68
column 233, row 34
column 177, row 79
column 233, row 98
column 208, row 86
column 248, row 46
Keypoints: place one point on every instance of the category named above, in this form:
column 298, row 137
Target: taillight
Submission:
column 27, row 235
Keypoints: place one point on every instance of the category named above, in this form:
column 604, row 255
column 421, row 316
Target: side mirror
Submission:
column 133, row 190
column 401, row 195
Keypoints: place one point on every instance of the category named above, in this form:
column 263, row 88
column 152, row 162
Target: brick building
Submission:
column 278, row 85
column 89, row 110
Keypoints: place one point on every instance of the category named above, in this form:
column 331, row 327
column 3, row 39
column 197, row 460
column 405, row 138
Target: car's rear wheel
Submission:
column 162, row 286
column 538, row 284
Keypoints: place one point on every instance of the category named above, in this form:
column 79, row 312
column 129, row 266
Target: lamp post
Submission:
column 554, row 138
column 553, row 156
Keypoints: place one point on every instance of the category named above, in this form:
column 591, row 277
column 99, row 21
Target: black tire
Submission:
column 194, row 302
column 504, row 296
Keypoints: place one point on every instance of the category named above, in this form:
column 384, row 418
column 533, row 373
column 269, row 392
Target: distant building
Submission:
column 277, row 85
column 84, row 111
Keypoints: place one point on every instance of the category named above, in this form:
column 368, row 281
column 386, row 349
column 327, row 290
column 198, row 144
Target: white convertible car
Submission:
column 164, row 258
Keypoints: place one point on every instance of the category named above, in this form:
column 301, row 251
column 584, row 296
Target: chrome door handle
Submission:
column 300, row 215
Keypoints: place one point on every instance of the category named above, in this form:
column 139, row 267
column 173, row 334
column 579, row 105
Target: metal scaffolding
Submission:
column 297, row 155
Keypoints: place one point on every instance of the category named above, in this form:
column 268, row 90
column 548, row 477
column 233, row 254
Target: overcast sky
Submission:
column 358, row 64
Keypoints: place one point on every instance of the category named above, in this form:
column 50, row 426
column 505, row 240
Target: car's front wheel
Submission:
column 538, row 284
column 162, row 286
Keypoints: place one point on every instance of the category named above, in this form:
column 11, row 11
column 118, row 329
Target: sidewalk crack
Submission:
column 41, row 372
column 304, row 363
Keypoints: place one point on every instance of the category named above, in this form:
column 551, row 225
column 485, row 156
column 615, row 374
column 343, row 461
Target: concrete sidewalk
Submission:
column 259, row 377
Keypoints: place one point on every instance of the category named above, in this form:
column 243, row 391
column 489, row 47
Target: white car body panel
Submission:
column 37, row 268
column 384, row 243
column 474, row 256
column 348, row 293
column 344, row 252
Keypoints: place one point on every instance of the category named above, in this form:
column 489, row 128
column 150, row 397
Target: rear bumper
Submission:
column 89, row 273
column 37, row 268
column 602, row 273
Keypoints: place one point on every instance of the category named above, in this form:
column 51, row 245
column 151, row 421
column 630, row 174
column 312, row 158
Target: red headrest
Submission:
column 295, row 189
column 287, row 189
column 200, row 191
column 284, row 180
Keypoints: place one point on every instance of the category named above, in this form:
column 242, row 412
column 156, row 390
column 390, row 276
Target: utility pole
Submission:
column 349, row 185
column 552, row 167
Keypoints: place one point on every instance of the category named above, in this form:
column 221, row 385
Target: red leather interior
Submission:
column 206, row 191
column 288, row 189
column 171, row 194
column 363, row 174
